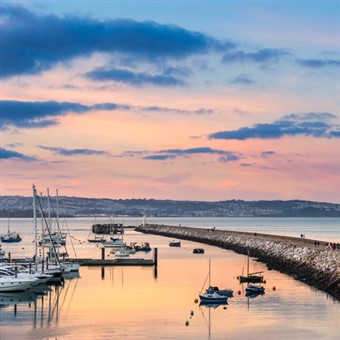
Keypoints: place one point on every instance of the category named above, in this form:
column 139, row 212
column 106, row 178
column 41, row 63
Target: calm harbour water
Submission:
column 141, row 303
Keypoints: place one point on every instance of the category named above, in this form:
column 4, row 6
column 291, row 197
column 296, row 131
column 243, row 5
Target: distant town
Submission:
column 19, row 206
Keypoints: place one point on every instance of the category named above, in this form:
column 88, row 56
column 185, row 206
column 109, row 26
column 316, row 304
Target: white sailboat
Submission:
column 214, row 296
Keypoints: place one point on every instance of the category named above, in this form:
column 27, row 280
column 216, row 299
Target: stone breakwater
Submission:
column 317, row 266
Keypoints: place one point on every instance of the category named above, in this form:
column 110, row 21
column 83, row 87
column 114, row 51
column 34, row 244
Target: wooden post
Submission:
column 9, row 257
column 155, row 257
column 103, row 253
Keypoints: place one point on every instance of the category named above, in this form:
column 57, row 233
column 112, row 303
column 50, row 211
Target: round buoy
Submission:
column 187, row 323
column 196, row 300
column 224, row 307
column 274, row 288
column 192, row 313
column 264, row 281
column 239, row 292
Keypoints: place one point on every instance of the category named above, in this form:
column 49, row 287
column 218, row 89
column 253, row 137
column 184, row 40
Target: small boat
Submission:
column 144, row 247
column 122, row 253
column 96, row 239
column 213, row 298
column 251, row 277
column 175, row 244
column 255, row 289
column 10, row 237
column 213, row 294
column 222, row 292
column 198, row 251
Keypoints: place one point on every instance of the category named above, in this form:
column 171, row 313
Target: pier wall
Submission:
column 315, row 265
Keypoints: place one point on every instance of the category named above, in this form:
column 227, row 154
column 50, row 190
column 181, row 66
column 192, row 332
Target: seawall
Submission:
column 315, row 265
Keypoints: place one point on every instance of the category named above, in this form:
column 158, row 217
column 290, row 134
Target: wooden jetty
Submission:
column 130, row 261
column 116, row 262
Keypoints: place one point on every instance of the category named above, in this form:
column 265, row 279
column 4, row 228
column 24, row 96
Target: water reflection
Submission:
column 40, row 305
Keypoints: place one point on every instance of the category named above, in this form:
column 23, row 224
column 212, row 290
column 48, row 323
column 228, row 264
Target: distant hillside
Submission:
column 18, row 206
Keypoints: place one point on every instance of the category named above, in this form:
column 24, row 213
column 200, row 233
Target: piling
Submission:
column 155, row 257
column 103, row 253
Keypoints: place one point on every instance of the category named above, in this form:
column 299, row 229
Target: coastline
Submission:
column 317, row 266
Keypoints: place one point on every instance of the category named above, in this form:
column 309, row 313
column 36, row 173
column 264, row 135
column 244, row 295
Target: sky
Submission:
column 184, row 100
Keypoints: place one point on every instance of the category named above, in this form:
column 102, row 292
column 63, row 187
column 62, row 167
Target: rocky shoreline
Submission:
column 315, row 266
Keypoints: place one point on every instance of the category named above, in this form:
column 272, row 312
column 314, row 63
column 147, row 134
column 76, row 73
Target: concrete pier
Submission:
column 307, row 260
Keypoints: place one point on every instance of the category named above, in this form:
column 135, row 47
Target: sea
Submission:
column 162, row 302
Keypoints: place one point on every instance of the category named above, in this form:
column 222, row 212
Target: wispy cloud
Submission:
column 134, row 78
column 242, row 79
column 159, row 157
column 74, row 152
column 314, row 124
column 29, row 49
column 318, row 63
column 264, row 55
column 44, row 114
column 9, row 154
column 226, row 156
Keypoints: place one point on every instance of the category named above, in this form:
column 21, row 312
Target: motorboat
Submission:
column 12, row 283
column 198, row 251
column 175, row 244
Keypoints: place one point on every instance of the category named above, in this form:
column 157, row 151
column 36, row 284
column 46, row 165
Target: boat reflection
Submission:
column 213, row 305
column 253, row 295
column 7, row 299
column 42, row 304
column 209, row 306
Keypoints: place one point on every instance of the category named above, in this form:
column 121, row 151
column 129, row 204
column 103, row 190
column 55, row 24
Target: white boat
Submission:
column 12, row 283
column 213, row 298
column 122, row 253
column 70, row 267
column 23, row 273
column 116, row 243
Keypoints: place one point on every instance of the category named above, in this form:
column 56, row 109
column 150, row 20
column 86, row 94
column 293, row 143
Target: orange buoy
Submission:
column 196, row 300
column 274, row 288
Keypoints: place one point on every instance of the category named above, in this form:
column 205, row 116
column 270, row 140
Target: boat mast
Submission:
column 209, row 271
column 248, row 264
column 57, row 207
column 35, row 229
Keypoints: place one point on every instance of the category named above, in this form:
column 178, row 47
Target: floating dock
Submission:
column 115, row 262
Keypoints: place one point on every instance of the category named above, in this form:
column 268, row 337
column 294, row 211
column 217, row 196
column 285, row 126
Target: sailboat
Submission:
column 213, row 295
column 10, row 237
column 251, row 277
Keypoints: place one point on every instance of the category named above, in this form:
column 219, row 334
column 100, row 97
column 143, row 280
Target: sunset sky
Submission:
column 187, row 100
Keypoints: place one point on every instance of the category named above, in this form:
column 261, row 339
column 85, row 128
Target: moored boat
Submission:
column 174, row 243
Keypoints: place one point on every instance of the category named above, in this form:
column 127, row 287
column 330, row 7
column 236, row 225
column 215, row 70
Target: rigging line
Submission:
column 48, row 230
column 69, row 234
